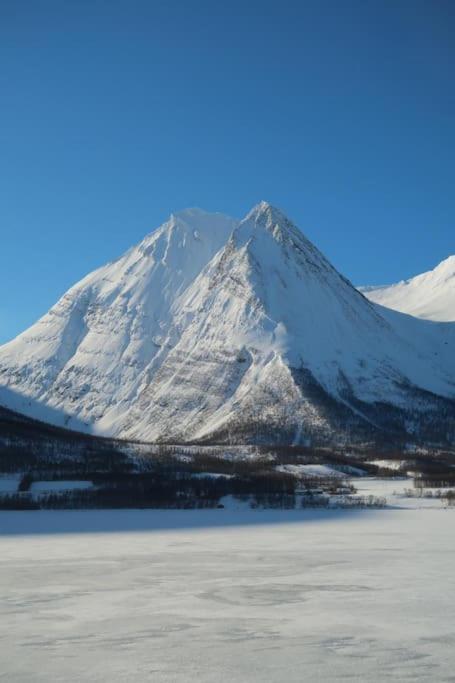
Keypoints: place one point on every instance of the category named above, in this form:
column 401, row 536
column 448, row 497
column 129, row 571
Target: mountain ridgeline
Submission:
column 213, row 330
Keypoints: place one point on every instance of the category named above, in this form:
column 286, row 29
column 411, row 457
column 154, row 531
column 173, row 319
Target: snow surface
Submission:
column 211, row 475
column 206, row 325
column 430, row 295
column 9, row 483
column 389, row 464
column 311, row 470
column 395, row 492
column 228, row 595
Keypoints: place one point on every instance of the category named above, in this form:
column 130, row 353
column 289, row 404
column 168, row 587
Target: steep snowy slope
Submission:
column 195, row 335
column 430, row 295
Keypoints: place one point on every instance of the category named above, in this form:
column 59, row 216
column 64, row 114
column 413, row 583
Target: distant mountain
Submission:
column 217, row 330
column 430, row 295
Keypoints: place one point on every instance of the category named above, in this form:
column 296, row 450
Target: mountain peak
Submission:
column 196, row 219
column 265, row 212
column 265, row 217
column 194, row 214
column 447, row 267
column 268, row 225
column 186, row 227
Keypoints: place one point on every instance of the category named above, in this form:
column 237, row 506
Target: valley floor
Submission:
column 230, row 595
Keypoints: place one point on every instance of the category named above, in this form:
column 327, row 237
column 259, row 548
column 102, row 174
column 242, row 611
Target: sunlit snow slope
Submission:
column 212, row 329
column 430, row 295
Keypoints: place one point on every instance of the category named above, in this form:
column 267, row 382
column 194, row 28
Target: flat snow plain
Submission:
column 230, row 595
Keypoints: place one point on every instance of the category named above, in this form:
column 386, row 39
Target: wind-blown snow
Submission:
column 430, row 295
column 211, row 326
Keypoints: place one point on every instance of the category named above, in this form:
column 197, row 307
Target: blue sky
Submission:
column 115, row 113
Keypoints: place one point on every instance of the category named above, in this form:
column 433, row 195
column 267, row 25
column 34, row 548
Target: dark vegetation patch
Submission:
column 135, row 474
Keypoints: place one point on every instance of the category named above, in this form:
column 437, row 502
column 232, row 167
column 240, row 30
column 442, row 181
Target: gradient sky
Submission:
column 115, row 113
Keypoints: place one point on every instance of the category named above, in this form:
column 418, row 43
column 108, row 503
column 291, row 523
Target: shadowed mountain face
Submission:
column 214, row 329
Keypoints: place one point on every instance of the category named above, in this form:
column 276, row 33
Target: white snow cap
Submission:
column 268, row 217
column 265, row 209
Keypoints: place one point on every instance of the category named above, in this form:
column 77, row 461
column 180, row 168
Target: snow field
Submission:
column 228, row 595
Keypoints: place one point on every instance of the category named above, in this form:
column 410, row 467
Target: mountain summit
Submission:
column 215, row 329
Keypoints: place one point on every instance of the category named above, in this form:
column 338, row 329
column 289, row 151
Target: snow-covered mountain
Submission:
column 430, row 295
column 214, row 329
column 102, row 334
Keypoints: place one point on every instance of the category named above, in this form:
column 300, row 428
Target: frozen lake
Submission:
column 229, row 595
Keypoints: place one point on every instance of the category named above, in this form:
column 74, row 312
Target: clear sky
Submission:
column 116, row 112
